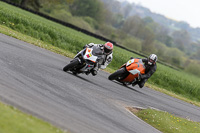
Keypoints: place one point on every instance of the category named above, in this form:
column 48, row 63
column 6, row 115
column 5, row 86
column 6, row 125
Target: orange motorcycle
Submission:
column 129, row 72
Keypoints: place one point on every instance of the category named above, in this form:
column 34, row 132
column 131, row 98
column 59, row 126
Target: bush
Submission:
column 193, row 67
column 93, row 23
column 133, row 44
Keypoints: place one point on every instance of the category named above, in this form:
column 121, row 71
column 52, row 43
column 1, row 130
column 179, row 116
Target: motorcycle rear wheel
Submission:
column 117, row 74
column 71, row 65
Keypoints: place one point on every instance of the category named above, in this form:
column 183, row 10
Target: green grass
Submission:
column 67, row 41
column 177, row 81
column 14, row 121
column 166, row 122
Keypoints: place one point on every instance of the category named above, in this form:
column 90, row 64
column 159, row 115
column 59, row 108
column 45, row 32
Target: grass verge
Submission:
column 171, row 93
column 14, row 121
column 166, row 122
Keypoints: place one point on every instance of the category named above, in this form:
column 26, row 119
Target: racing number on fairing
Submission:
column 88, row 55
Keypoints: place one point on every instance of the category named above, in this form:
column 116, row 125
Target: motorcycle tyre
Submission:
column 116, row 74
column 72, row 64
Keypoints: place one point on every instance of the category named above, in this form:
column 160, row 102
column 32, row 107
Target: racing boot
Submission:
column 95, row 70
column 134, row 82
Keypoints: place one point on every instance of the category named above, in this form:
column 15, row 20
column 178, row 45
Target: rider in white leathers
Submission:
column 107, row 49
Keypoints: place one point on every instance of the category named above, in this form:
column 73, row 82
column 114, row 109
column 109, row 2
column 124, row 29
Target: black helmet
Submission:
column 152, row 59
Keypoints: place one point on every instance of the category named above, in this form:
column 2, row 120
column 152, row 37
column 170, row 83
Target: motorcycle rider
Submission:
column 150, row 68
column 107, row 50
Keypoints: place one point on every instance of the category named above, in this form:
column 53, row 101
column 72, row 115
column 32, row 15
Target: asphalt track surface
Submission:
column 31, row 79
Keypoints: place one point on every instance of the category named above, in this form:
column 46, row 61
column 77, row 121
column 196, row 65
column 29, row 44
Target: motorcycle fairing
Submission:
column 89, row 56
column 87, row 67
column 134, row 67
column 130, row 62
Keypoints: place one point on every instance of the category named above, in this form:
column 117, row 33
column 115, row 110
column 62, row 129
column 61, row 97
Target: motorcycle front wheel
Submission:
column 71, row 65
column 117, row 74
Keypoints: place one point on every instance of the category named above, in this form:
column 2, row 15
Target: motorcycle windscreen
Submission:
column 134, row 69
column 97, row 51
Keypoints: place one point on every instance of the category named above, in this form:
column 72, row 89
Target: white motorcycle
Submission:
column 85, row 61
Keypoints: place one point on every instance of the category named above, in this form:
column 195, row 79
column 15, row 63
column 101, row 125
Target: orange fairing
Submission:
column 136, row 64
column 135, row 67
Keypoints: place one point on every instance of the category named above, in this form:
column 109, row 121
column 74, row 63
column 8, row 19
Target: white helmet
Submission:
column 152, row 59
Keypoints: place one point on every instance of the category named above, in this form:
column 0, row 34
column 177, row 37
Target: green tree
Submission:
column 15, row 1
column 108, row 31
column 117, row 20
column 162, row 35
column 148, row 45
column 91, row 8
column 161, row 49
column 133, row 25
column 174, row 56
column 196, row 55
column 125, row 11
column 33, row 4
column 136, row 27
column 182, row 39
column 133, row 44
column 148, row 20
column 193, row 67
